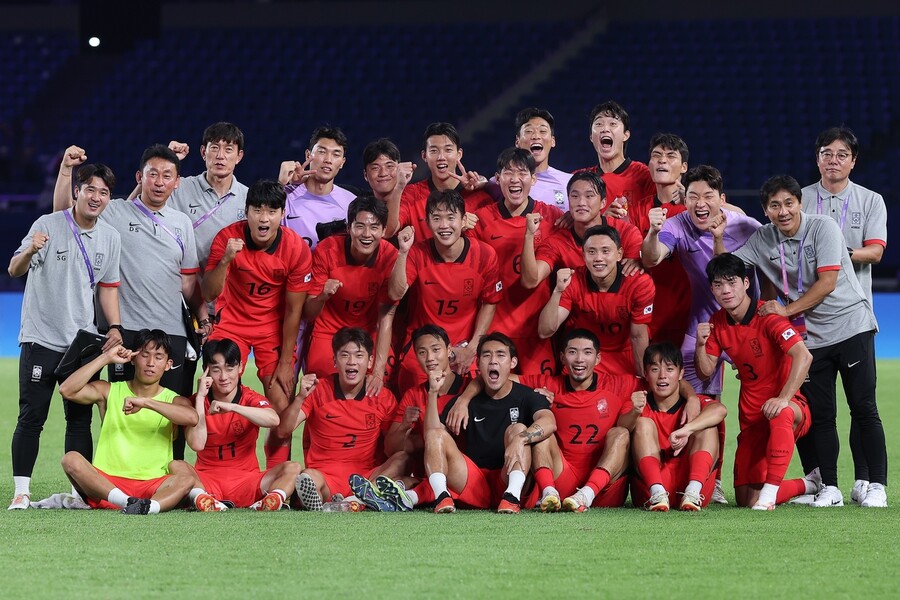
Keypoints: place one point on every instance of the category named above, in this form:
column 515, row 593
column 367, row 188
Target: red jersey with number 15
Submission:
column 231, row 438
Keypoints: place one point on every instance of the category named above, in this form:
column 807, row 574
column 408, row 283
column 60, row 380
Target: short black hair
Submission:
column 606, row 230
column 87, row 172
column 328, row 132
column 595, row 180
column 266, row 192
column 579, row 333
column 163, row 152
column 224, row 132
column 352, row 335
column 670, row 141
column 496, row 336
column 663, row 352
column 433, row 330
column 777, row 183
column 381, row 146
column 527, row 114
column 440, row 128
column 725, row 266
column 843, row 134
column 705, row 173
column 517, row 157
column 152, row 337
column 450, row 200
column 612, row 109
column 369, row 204
column 229, row 350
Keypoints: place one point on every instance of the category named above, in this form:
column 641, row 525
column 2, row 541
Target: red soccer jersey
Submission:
column 254, row 292
column 758, row 346
column 363, row 287
column 231, row 438
column 610, row 314
column 345, row 430
column 563, row 247
column 412, row 205
column 668, row 421
column 631, row 180
column 417, row 397
column 518, row 310
column 450, row 293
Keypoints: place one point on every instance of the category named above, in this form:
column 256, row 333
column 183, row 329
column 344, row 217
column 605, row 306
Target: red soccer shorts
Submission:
column 240, row 487
column 676, row 473
column 484, row 487
column 573, row 476
column 337, row 476
column 135, row 488
column 266, row 345
column 750, row 460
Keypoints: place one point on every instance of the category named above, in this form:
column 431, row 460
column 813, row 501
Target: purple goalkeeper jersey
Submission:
column 304, row 210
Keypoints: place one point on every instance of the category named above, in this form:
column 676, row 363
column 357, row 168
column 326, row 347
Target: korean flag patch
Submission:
column 788, row 334
column 308, row 278
column 498, row 287
column 648, row 310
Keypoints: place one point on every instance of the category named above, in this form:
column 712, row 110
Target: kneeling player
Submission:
column 772, row 361
column 343, row 423
column 130, row 468
column 672, row 458
column 230, row 415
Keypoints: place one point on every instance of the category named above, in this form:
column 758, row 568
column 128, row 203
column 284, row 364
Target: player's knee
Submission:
column 182, row 481
column 707, row 436
column 292, row 468
column 435, row 436
column 644, row 427
column 72, row 462
column 513, row 430
column 619, row 437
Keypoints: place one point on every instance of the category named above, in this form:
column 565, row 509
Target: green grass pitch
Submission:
column 791, row 552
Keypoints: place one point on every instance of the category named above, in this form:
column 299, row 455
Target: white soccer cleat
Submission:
column 803, row 499
column 815, row 477
column 876, row 497
column 549, row 501
column 858, row 493
column 20, row 502
column 829, row 496
column 718, row 495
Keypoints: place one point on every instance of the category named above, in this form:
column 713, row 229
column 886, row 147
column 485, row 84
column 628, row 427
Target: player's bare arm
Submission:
column 261, row 416
column 375, row 381
column 435, row 382
column 692, row 406
column 79, row 387
column 638, row 402
column 533, row 270
column 801, row 359
column 869, row 254
column 196, row 435
column 314, row 304
column 711, row 415
column 703, row 362
column 397, row 438
column 553, row 315
column 293, row 415
column 653, row 251
column 21, row 262
column 717, row 229
column 399, row 283
column 214, row 281
column 284, row 371
column 190, row 289
column 404, row 174
column 62, row 191
column 179, row 411
column 544, row 426
column 640, row 339
column 108, row 298
column 462, row 356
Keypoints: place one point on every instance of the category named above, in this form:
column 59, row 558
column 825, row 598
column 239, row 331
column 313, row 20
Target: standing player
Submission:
column 350, row 277
column 130, row 467
column 259, row 272
column 502, row 226
column 387, row 176
column 229, row 417
column 66, row 255
column 455, row 281
column 602, row 299
column 862, row 217
column 672, row 456
column 344, row 424
column 772, row 361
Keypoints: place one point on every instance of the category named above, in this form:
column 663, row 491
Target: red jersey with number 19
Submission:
column 231, row 438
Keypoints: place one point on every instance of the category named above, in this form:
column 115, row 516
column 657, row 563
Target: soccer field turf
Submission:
column 791, row 552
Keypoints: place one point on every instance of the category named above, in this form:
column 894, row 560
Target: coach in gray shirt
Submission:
column 67, row 255
column 805, row 257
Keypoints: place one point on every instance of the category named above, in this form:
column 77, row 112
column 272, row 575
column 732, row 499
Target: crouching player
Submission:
column 772, row 361
column 130, row 468
column 230, row 415
column 343, row 423
column 672, row 456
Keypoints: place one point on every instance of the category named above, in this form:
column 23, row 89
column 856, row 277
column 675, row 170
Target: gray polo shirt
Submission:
column 863, row 221
column 843, row 313
column 58, row 297
column 152, row 264
column 209, row 214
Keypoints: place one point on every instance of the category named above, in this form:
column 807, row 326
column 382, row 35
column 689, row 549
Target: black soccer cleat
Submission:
column 137, row 506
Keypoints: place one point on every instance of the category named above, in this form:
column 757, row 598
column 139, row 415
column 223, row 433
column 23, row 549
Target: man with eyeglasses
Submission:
column 862, row 217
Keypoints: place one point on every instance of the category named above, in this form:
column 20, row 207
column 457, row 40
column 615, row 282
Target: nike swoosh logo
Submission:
column 289, row 217
column 430, row 282
column 477, row 420
column 58, row 252
column 692, row 250
column 851, row 365
column 564, row 406
column 193, row 206
column 496, row 237
column 130, row 224
column 331, row 416
column 243, row 269
column 774, row 257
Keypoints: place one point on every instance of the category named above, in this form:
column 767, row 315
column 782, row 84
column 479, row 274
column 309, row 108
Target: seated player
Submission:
column 259, row 273
column 130, row 468
column 350, row 287
column 343, row 423
column 452, row 280
column 230, row 415
column 672, row 456
column 505, row 419
column 772, row 361
column 599, row 297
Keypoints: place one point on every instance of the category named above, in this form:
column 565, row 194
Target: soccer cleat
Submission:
column 269, row 503
column 20, row 502
column 549, row 501
column 444, row 504
column 718, row 495
column 830, row 495
column 365, row 491
column 509, row 505
column 208, row 503
column 803, row 499
column 575, row 503
column 764, row 506
column 658, row 502
column 394, row 492
column 858, row 493
column 137, row 506
column 308, row 492
column 815, row 478
column 875, row 497
column 690, row 501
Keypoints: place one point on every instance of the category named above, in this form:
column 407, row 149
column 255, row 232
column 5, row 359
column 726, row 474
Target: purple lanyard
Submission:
column 77, row 234
column 843, row 210
column 784, row 281
column 213, row 210
column 153, row 218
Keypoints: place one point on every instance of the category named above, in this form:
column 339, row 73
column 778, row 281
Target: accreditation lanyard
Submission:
column 843, row 209
column 784, row 279
column 212, row 211
column 156, row 220
column 87, row 262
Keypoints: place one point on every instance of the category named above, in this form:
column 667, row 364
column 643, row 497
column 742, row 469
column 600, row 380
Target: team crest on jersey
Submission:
column 373, row 288
column 36, row 372
column 559, row 197
column 755, row 347
column 264, row 403
column 603, row 407
column 514, row 414
column 241, row 215
column 468, row 287
column 278, row 273
column 856, row 219
column 237, row 427
column 118, row 368
column 178, row 234
column 98, row 260
column 622, row 313
column 788, row 334
column 810, row 252
column 370, row 421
